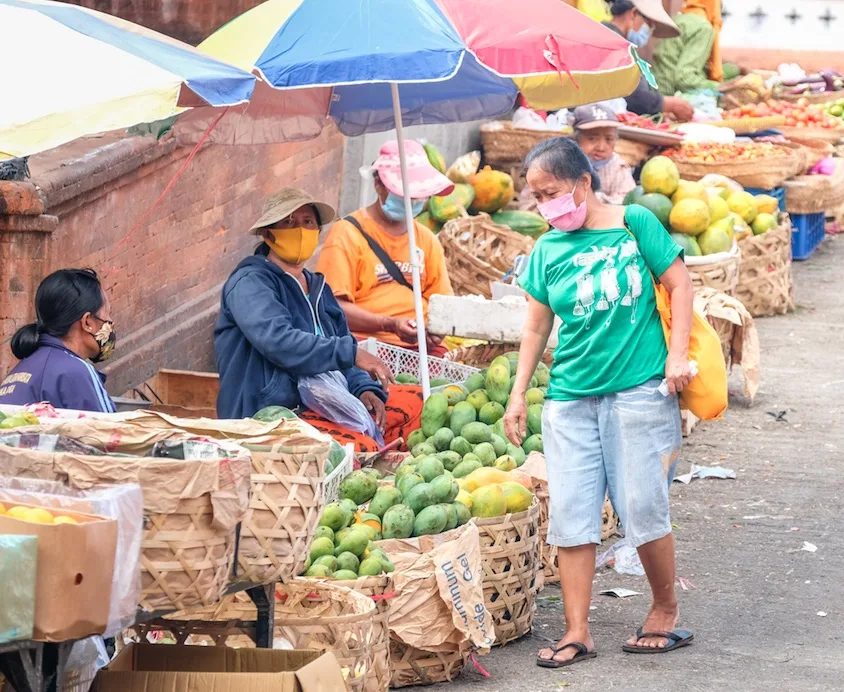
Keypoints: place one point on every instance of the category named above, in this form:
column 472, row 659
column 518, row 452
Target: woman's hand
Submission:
column 376, row 407
column 677, row 372
column 375, row 367
column 515, row 419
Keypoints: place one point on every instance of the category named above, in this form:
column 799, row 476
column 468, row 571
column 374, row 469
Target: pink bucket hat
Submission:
column 423, row 179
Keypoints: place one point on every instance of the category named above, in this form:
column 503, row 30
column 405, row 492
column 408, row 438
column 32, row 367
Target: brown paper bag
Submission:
column 439, row 606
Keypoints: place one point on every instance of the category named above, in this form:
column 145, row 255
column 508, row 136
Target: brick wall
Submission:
column 187, row 20
column 164, row 281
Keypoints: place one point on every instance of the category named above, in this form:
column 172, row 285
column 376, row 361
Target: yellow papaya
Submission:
column 493, row 190
column 447, row 207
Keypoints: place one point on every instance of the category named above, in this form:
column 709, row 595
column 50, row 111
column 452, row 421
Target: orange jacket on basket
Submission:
column 357, row 275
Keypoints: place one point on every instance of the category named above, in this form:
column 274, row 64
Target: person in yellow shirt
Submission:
column 366, row 256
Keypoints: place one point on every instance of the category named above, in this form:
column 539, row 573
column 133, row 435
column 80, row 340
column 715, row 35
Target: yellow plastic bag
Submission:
column 596, row 9
column 706, row 394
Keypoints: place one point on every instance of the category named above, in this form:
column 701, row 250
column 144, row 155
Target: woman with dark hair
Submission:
column 638, row 21
column 606, row 423
column 72, row 327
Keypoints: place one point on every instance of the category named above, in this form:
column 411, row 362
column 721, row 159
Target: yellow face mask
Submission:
column 294, row 245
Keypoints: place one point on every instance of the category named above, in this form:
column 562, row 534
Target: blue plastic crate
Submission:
column 778, row 193
column 807, row 233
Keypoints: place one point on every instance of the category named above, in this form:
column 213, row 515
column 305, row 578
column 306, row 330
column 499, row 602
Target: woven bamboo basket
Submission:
column 765, row 173
column 814, row 149
column 811, row 194
column 511, row 561
column 721, row 274
column 481, row 355
column 765, row 283
column 819, row 134
column 550, row 568
column 823, row 97
column 479, row 252
column 411, row 666
column 504, row 145
column 742, row 91
column 185, row 559
column 286, row 502
column 310, row 614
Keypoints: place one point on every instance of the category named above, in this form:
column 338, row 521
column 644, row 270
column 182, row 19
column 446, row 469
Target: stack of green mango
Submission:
column 463, row 425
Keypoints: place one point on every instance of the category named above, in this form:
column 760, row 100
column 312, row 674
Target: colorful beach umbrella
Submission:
column 84, row 72
column 372, row 65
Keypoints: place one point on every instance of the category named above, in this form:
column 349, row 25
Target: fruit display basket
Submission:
column 479, row 252
column 505, row 146
column 778, row 193
column 810, row 194
column 765, row 285
column 287, row 498
column 808, row 234
column 512, row 571
column 766, row 172
column 313, row 614
column 402, row 360
column 719, row 271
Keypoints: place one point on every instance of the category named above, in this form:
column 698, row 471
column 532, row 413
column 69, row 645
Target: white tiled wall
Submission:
column 775, row 29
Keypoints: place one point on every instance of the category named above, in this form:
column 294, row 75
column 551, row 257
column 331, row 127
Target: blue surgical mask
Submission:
column 598, row 165
column 641, row 37
column 393, row 207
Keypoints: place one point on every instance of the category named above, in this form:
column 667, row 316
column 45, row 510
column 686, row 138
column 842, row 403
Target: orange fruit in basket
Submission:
column 18, row 512
column 64, row 519
column 39, row 515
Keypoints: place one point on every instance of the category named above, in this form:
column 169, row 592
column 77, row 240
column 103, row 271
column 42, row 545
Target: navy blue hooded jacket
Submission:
column 56, row 375
column 269, row 333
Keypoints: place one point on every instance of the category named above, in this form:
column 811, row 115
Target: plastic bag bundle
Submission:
column 328, row 395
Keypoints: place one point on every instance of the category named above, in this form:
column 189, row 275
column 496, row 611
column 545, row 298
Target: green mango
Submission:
column 478, row 399
column 486, row 453
column 460, row 445
column 347, row 561
column 443, row 438
column 398, row 522
column 462, row 414
column 345, row 575
column 419, row 497
column 449, row 459
column 451, row 521
column 434, row 413
column 430, row 520
column 499, row 444
column 533, row 444
column 465, row 467
column 370, row 567
column 335, row 516
column 423, row 449
column 416, row 437
column 358, row 487
column 476, row 433
column 464, row 514
column 429, row 468
column 444, row 488
column 490, row 413
column 534, row 419
column 408, row 482
column 474, row 382
column 385, row 497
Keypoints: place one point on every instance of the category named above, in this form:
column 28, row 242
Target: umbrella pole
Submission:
column 424, row 378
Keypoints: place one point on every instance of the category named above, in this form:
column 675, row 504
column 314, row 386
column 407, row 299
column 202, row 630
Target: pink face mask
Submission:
column 563, row 213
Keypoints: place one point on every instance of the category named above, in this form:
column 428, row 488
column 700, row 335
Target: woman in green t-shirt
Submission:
column 606, row 424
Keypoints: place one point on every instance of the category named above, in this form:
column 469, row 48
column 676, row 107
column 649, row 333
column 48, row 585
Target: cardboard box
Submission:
column 154, row 667
column 74, row 571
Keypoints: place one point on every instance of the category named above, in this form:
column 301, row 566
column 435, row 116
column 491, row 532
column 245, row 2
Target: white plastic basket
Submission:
column 402, row 360
column 331, row 486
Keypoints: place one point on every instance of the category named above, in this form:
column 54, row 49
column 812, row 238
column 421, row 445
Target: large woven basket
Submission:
column 765, row 174
column 511, row 562
column 765, row 284
column 813, row 149
column 481, row 355
column 721, row 274
column 310, row 614
column 505, row 146
column 811, row 194
column 823, row 97
column 550, row 567
column 380, row 590
column 412, row 666
column 479, row 252
column 286, row 502
column 633, row 153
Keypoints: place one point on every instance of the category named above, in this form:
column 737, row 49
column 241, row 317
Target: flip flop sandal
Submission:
column 678, row 639
column 582, row 654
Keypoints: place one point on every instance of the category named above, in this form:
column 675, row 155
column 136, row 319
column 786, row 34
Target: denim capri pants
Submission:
column 627, row 442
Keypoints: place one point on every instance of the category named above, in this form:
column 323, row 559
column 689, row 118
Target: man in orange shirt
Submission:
column 366, row 256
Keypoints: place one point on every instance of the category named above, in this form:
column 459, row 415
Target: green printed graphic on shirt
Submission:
column 598, row 282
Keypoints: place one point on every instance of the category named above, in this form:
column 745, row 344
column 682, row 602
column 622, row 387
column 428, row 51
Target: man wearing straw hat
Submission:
column 366, row 256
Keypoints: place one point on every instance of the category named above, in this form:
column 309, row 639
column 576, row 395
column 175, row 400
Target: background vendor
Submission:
column 692, row 61
column 280, row 323
column 72, row 330
column 376, row 294
column 638, row 21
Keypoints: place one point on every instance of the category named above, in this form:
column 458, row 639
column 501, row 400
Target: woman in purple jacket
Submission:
column 73, row 328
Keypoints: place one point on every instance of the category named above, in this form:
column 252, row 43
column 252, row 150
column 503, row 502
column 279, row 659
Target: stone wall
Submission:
column 164, row 279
